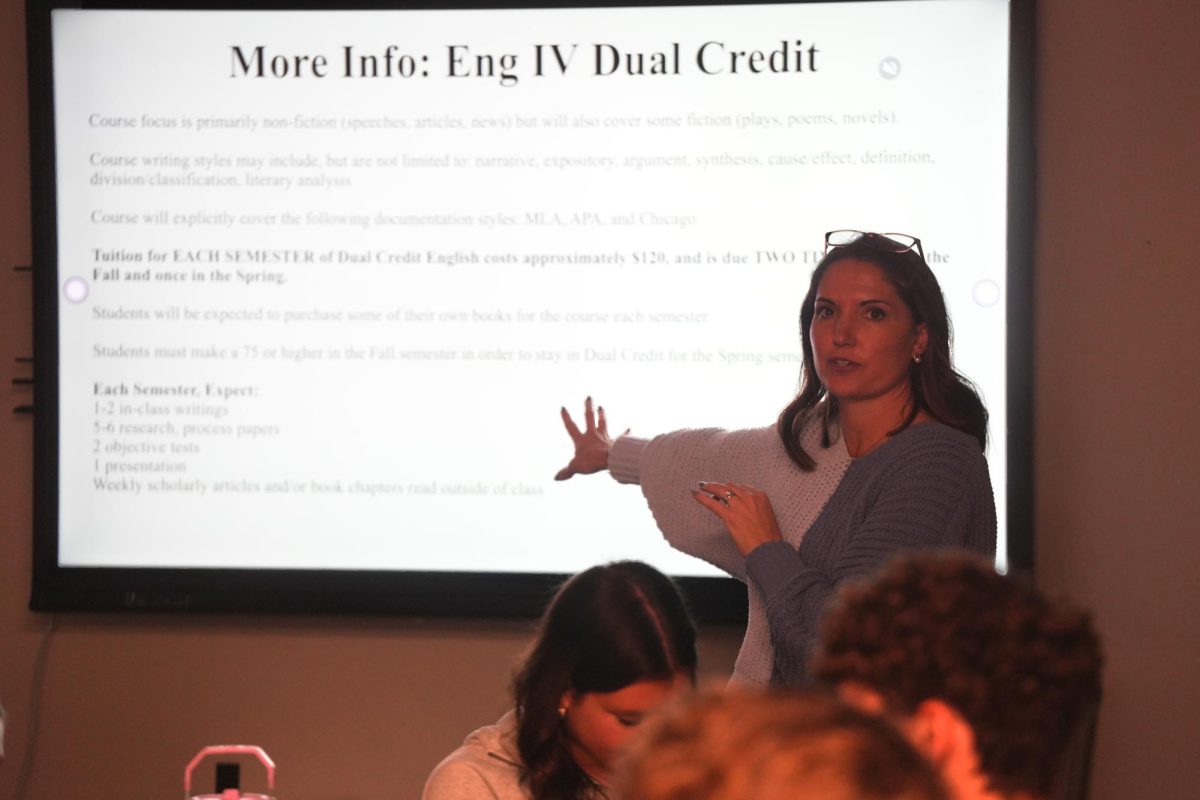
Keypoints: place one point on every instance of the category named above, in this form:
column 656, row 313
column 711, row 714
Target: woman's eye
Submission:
column 629, row 722
column 824, row 312
column 876, row 314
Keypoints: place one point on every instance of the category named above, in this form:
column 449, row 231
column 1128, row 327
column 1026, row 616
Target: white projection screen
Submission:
column 313, row 283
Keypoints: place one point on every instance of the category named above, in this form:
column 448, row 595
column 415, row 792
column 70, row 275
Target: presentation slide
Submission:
column 326, row 277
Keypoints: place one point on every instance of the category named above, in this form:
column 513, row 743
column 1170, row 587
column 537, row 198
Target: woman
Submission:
column 880, row 452
column 615, row 642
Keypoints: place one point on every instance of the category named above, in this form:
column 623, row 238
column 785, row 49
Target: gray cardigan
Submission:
column 925, row 488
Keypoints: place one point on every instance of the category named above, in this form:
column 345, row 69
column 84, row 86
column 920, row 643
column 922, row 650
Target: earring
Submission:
column 916, row 358
column 562, row 711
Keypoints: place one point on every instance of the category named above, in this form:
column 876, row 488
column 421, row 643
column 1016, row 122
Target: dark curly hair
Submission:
column 732, row 745
column 1023, row 670
column 606, row 628
column 937, row 388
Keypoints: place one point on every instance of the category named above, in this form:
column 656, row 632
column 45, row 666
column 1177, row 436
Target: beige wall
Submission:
column 362, row 708
column 1117, row 384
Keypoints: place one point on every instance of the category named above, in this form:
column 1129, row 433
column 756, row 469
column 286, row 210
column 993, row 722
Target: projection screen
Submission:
column 313, row 284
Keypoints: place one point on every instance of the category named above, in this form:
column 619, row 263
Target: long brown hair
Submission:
column 607, row 627
column 937, row 388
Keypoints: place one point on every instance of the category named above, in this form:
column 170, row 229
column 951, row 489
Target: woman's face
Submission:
column 863, row 335
column 599, row 724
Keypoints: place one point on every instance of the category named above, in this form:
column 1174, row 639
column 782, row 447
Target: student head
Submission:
column 772, row 746
column 896, row 265
column 993, row 681
column 614, row 643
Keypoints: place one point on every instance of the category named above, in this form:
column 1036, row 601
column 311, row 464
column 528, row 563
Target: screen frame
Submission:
column 57, row 588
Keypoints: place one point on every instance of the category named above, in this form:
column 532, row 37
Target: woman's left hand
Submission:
column 746, row 512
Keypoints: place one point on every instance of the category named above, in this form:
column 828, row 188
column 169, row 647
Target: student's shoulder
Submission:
column 461, row 776
column 485, row 766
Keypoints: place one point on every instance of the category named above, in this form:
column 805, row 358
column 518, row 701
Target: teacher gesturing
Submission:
column 880, row 452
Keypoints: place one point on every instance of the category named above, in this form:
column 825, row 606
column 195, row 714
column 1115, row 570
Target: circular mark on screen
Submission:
column 986, row 293
column 75, row 289
column 889, row 68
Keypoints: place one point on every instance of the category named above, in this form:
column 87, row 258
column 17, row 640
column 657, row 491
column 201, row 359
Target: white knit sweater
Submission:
column 669, row 466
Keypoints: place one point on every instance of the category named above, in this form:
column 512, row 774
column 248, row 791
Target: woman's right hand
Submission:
column 591, row 444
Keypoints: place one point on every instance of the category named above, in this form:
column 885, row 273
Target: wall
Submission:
column 1118, row 111
column 355, row 709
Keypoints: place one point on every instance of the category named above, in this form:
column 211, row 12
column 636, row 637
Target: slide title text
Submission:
column 460, row 61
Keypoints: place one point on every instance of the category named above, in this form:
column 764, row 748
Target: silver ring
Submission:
column 729, row 495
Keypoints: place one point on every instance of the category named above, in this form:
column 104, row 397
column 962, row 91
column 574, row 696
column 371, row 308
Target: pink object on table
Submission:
column 230, row 794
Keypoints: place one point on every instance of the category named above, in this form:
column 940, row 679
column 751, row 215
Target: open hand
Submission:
column 591, row 444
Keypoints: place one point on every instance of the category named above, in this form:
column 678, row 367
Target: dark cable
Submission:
column 35, row 702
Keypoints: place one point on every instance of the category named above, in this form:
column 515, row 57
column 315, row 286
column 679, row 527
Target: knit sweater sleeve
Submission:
column 668, row 467
column 934, row 493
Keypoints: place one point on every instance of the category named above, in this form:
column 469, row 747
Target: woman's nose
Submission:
column 843, row 331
